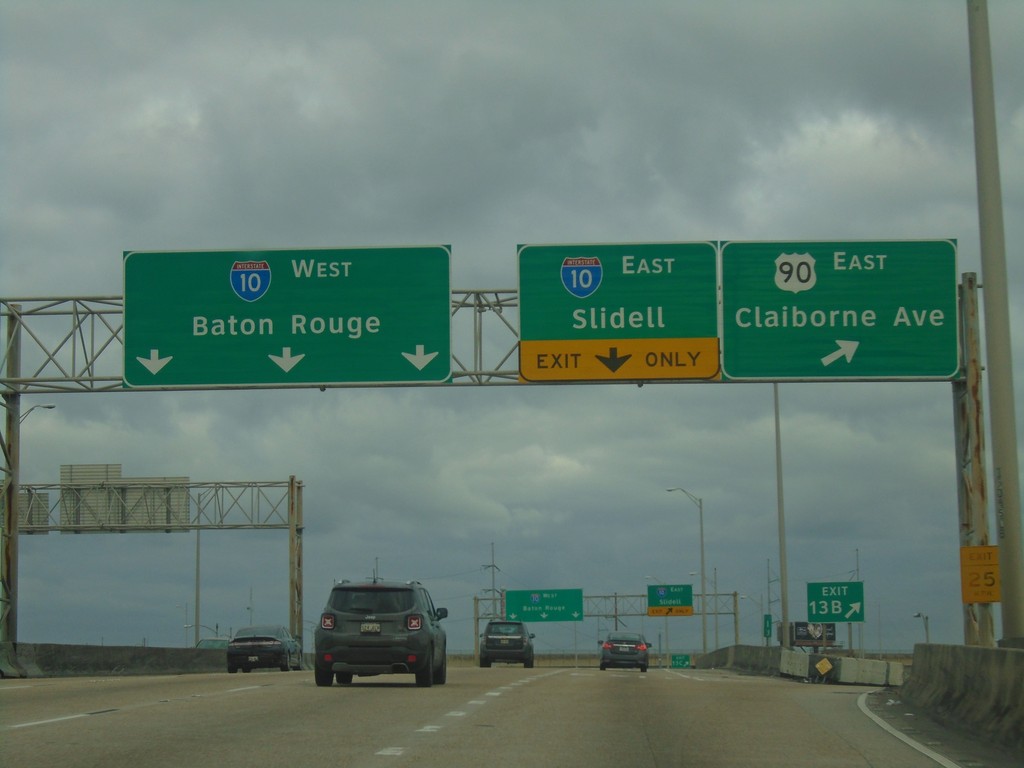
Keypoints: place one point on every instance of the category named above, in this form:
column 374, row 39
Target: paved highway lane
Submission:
column 494, row 717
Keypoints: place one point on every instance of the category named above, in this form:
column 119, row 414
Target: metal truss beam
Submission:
column 77, row 344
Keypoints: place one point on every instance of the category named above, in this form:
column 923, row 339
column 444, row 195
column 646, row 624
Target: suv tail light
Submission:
column 414, row 622
column 326, row 621
column 642, row 647
column 607, row 645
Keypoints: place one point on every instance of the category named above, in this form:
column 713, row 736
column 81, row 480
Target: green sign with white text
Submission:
column 544, row 605
column 281, row 318
column 840, row 310
column 835, row 601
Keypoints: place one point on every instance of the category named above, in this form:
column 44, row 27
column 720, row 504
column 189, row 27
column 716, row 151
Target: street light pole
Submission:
column 927, row 636
column 703, row 580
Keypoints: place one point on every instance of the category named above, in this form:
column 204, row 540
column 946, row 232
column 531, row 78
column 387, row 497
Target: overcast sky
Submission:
column 482, row 125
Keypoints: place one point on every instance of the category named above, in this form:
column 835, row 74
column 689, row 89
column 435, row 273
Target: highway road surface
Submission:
column 503, row 716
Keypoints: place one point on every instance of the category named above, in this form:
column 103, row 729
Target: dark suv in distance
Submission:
column 380, row 628
column 507, row 641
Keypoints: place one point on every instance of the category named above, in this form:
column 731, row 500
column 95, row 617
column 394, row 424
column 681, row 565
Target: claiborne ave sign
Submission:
column 834, row 310
column 287, row 317
column 618, row 312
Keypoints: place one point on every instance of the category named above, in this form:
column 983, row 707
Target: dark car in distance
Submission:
column 506, row 641
column 265, row 645
column 625, row 649
column 381, row 628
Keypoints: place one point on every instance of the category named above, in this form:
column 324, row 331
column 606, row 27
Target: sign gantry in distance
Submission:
column 281, row 318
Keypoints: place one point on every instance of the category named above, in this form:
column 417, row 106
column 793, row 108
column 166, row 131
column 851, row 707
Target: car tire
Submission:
column 441, row 673
column 528, row 664
column 643, row 667
column 485, row 662
column 286, row 665
column 232, row 670
column 425, row 676
column 603, row 667
column 323, row 677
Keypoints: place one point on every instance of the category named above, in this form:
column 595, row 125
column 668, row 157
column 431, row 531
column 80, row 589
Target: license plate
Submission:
column 254, row 658
column 370, row 627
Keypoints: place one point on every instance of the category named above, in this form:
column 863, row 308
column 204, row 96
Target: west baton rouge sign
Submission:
column 287, row 317
column 544, row 604
column 618, row 312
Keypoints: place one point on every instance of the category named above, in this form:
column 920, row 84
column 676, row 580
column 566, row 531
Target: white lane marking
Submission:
column 429, row 729
column 943, row 761
column 477, row 702
column 493, row 693
column 455, row 713
column 46, row 722
column 391, row 751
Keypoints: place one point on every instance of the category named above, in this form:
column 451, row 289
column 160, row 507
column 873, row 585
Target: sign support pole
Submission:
column 999, row 360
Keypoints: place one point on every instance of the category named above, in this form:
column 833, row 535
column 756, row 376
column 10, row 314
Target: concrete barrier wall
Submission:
column 981, row 689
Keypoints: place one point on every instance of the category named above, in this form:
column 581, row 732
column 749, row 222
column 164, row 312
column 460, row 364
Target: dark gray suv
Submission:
column 508, row 641
column 381, row 628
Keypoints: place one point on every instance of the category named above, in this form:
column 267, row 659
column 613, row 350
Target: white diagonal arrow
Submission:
column 854, row 608
column 419, row 358
column 846, row 349
column 154, row 362
column 286, row 361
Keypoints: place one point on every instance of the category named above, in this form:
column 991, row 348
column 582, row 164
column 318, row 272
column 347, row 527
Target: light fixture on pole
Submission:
column 703, row 580
column 47, row 406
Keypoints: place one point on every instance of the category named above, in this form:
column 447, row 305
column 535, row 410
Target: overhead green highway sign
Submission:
column 840, row 310
column 835, row 601
column 544, row 604
column 626, row 312
column 282, row 318
column 670, row 600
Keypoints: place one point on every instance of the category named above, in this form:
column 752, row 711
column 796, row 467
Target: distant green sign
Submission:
column 835, row 601
column 680, row 661
column 544, row 605
column 840, row 310
column 283, row 318
column 670, row 600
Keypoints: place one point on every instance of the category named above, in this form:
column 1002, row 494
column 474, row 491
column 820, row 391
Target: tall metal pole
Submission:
column 703, row 576
column 783, row 578
column 9, row 556
column 999, row 363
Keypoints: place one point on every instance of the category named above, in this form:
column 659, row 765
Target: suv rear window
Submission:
column 504, row 629
column 358, row 600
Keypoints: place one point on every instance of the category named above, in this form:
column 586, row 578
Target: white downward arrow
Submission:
column 286, row 361
column 846, row 349
column 419, row 359
column 154, row 362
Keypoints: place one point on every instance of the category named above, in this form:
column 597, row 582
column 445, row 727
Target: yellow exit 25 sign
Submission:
column 979, row 574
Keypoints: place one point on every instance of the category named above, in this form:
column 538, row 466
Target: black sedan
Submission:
column 625, row 649
column 263, row 646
